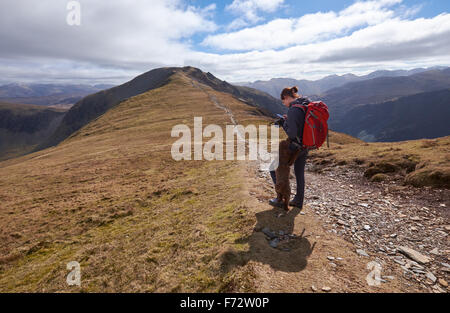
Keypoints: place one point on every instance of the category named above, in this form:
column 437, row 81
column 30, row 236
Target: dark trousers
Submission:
column 299, row 170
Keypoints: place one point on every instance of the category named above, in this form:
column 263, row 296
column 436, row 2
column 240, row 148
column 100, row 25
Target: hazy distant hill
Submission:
column 22, row 90
column 22, row 127
column 423, row 115
column 318, row 87
column 343, row 99
column 95, row 105
column 47, row 94
column 306, row 87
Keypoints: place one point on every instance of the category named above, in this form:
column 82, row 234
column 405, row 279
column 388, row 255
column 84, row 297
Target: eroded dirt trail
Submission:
column 216, row 102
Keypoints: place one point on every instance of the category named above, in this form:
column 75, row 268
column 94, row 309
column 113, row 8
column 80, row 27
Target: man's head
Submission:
column 288, row 95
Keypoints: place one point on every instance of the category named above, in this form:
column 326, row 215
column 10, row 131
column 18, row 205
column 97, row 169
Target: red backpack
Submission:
column 315, row 130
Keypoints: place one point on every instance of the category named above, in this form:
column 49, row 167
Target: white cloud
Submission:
column 320, row 26
column 390, row 44
column 118, row 32
column 236, row 24
column 119, row 40
column 251, row 7
column 249, row 11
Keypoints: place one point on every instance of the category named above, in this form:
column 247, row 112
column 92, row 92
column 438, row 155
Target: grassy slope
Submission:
column 415, row 162
column 112, row 198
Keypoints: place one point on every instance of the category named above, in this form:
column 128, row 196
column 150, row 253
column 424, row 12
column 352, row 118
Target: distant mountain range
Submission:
column 321, row 86
column 47, row 94
column 360, row 105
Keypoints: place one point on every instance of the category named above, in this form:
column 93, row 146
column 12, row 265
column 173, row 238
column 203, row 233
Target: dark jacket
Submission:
column 293, row 126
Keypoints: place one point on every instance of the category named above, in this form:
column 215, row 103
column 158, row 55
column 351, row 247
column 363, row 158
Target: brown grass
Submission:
column 112, row 198
column 414, row 162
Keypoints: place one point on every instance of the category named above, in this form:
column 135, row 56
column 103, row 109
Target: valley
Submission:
column 23, row 127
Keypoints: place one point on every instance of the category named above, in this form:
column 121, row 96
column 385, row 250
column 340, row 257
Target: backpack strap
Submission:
column 301, row 106
column 304, row 108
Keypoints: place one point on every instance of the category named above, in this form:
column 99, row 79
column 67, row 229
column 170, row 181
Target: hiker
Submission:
column 293, row 124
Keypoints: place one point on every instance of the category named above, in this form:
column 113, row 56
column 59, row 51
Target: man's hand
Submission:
column 294, row 146
column 279, row 122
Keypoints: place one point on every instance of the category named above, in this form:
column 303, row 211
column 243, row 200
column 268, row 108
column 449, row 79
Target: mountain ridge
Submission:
column 112, row 198
column 318, row 87
column 97, row 104
column 115, row 179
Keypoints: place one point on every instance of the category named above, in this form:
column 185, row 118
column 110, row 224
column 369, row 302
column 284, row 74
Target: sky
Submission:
column 236, row 40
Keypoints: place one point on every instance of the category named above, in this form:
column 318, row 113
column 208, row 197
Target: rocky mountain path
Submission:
column 351, row 236
column 369, row 237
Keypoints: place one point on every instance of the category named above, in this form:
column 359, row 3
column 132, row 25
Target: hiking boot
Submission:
column 295, row 203
column 275, row 203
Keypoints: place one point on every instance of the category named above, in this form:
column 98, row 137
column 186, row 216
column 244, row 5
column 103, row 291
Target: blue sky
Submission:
column 295, row 9
column 236, row 40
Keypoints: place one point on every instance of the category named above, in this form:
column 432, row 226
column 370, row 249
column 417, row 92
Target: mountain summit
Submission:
column 92, row 106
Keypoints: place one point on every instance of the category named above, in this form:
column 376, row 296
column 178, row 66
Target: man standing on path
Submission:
column 293, row 125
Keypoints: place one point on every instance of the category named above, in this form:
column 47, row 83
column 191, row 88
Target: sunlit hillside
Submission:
column 112, row 198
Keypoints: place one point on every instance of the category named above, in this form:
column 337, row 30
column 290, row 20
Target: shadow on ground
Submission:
column 288, row 256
